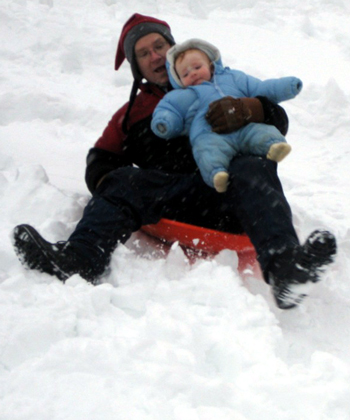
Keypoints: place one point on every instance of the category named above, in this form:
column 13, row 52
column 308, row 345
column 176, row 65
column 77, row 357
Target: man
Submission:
column 137, row 178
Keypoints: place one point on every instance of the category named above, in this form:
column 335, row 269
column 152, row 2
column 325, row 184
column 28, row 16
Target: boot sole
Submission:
column 30, row 249
column 319, row 252
column 294, row 295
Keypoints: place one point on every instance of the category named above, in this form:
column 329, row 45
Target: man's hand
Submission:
column 229, row 114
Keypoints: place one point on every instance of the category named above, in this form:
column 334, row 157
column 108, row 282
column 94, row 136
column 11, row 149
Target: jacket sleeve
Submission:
column 274, row 114
column 99, row 163
column 170, row 116
column 107, row 155
column 277, row 90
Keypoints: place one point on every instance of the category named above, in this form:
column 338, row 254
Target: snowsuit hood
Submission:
column 210, row 50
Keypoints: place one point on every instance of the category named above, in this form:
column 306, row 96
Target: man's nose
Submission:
column 155, row 55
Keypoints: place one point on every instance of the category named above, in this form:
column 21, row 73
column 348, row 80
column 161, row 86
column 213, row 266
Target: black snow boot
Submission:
column 60, row 259
column 292, row 273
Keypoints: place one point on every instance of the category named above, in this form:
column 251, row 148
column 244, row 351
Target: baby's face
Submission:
column 193, row 68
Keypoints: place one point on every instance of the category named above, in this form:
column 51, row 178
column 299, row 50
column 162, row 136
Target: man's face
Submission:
column 150, row 52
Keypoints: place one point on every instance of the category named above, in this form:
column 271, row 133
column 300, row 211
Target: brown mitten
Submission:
column 229, row 114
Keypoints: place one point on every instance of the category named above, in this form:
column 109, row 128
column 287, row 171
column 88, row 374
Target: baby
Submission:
column 199, row 78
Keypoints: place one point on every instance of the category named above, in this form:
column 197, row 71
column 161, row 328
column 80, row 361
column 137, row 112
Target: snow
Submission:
column 162, row 338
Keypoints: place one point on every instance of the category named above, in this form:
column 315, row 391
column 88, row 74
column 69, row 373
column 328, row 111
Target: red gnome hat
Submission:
column 134, row 29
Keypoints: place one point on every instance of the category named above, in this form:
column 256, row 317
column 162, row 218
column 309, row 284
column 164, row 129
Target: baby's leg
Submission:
column 213, row 154
column 263, row 140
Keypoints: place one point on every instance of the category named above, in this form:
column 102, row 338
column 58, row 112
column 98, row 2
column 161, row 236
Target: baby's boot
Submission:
column 278, row 151
column 221, row 181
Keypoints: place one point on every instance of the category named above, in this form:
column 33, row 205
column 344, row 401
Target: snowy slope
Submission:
column 163, row 339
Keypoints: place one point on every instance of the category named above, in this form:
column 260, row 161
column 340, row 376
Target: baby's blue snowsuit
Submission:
column 182, row 111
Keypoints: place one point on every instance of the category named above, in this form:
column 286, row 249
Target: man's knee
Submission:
column 251, row 166
column 134, row 179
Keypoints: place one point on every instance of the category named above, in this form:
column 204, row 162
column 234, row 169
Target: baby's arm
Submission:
column 277, row 90
column 170, row 114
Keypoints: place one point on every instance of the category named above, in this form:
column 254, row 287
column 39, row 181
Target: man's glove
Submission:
column 229, row 114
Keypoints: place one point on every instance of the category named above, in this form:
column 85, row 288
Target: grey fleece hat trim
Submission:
column 209, row 49
column 138, row 32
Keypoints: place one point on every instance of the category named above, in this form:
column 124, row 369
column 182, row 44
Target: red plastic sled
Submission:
column 205, row 241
